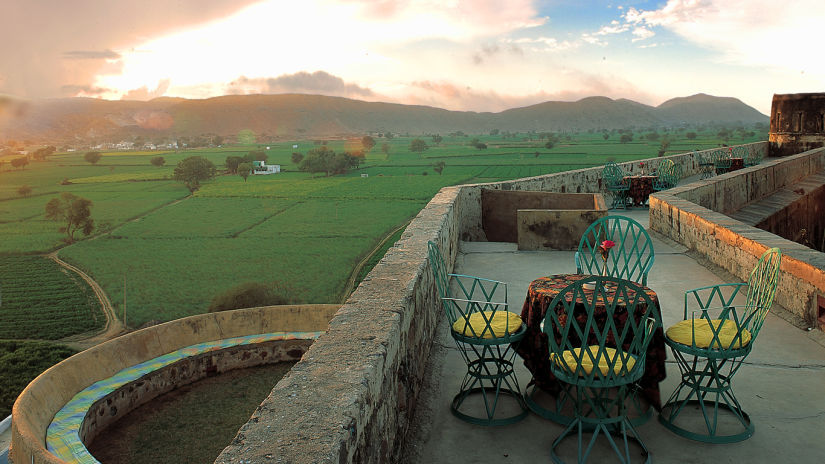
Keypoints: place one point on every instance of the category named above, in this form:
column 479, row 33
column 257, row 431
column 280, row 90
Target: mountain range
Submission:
column 298, row 115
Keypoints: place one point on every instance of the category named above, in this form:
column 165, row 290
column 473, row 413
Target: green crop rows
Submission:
column 42, row 300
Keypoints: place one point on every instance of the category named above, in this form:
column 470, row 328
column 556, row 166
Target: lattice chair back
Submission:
column 630, row 259
column 664, row 167
column 439, row 270
column 762, row 284
column 612, row 174
column 585, row 354
column 740, row 152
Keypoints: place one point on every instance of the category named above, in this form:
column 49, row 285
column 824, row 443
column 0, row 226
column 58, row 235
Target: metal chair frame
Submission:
column 489, row 356
column 615, row 184
column 707, row 373
column 631, row 258
column 601, row 393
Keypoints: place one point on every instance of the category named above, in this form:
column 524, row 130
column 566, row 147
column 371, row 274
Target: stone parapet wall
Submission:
column 695, row 216
column 50, row 391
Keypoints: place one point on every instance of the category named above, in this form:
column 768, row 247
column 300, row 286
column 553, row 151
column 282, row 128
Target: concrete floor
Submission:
column 782, row 386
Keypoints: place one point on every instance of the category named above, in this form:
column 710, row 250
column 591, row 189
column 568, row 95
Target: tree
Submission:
column 691, row 135
column 549, row 144
column 74, row 211
column 250, row 295
column 192, row 170
column 232, row 163
column 24, row 190
column 297, row 158
column 367, row 142
column 41, row 153
column 257, row 155
column 439, row 167
column 385, row 148
column 19, row 162
column 418, row 146
column 494, row 131
column 217, row 140
column 437, row 139
column 605, row 136
column 92, row 157
column 652, row 136
column 665, row 145
column 244, row 169
column 157, row 161
column 320, row 159
column 625, row 138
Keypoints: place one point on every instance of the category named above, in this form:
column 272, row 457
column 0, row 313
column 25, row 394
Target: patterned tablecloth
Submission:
column 640, row 188
column 535, row 352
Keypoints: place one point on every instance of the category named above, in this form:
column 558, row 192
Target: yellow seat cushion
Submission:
column 604, row 360
column 702, row 329
column 502, row 322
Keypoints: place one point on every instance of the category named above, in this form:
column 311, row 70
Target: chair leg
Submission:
column 617, row 429
column 489, row 375
column 706, row 388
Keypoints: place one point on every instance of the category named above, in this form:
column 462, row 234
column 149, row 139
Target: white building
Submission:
column 260, row 167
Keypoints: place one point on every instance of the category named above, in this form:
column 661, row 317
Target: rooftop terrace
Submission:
column 780, row 386
column 376, row 386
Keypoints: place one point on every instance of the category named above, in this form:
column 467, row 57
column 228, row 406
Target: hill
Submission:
column 294, row 115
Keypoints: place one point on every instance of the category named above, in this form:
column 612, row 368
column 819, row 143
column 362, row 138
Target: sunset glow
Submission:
column 464, row 55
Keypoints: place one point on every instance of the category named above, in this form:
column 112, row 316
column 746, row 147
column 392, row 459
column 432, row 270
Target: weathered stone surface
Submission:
column 735, row 245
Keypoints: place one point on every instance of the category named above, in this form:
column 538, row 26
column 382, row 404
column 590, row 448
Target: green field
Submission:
column 41, row 300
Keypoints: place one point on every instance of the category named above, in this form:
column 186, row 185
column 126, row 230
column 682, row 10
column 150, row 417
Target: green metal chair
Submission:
column 753, row 156
column 710, row 345
column 614, row 183
column 600, row 360
column 667, row 176
column 630, row 259
column 483, row 330
column 721, row 161
column 705, row 161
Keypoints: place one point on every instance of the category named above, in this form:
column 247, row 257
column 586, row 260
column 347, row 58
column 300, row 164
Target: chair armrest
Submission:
column 721, row 295
column 472, row 288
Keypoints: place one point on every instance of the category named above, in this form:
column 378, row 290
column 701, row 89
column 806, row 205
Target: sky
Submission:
column 473, row 55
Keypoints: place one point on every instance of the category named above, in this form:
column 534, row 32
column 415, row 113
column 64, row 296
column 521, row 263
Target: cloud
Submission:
column 318, row 82
column 446, row 94
column 143, row 93
column 547, row 44
column 73, row 90
column 642, row 33
column 758, row 33
column 34, row 42
column 91, row 55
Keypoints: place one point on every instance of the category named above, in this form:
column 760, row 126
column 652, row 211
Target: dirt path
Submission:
column 363, row 262
column 113, row 326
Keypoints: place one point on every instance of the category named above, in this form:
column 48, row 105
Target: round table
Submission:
column 640, row 188
column 533, row 348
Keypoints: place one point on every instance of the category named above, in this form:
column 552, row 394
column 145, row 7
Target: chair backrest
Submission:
column 584, row 327
column 762, row 284
column 439, row 270
column 612, row 174
column 630, row 259
column 664, row 167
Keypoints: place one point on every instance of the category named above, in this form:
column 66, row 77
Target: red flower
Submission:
column 605, row 247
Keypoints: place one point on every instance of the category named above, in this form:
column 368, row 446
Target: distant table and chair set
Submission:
column 594, row 343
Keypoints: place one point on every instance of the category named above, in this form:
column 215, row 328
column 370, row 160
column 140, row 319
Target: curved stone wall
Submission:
column 48, row 393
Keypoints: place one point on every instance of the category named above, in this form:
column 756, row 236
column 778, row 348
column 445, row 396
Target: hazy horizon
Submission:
column 464, row 55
